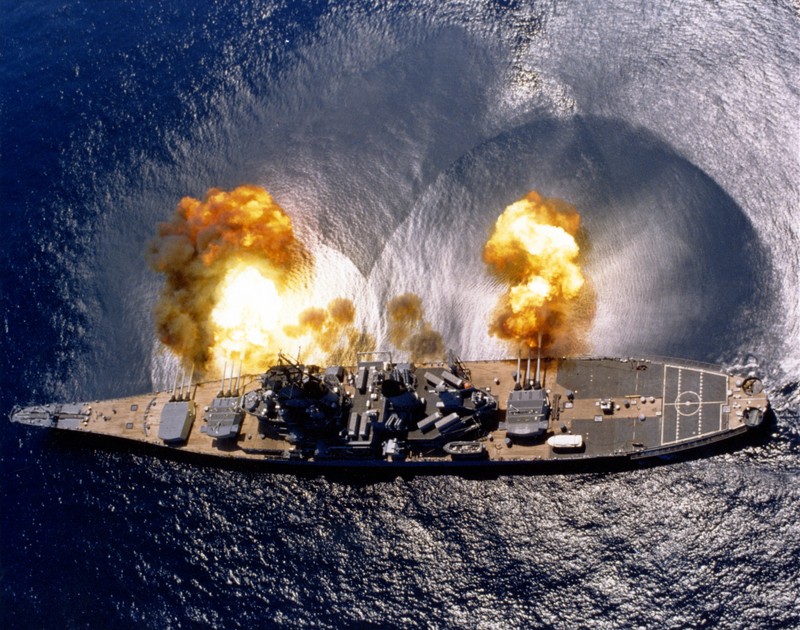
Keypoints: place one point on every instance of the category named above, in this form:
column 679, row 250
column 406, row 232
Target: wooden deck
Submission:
column 653, row 406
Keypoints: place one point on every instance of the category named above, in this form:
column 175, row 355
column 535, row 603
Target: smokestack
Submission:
column 537, row 383
column 519, row 368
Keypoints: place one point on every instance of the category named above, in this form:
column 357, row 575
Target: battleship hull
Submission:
column 567, row 413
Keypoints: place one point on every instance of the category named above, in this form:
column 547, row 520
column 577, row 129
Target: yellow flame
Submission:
column 231, row 264
column 533, row 249
column 246, row 316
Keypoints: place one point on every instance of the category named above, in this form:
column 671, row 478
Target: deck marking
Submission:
column 688, row 403
column 678, row 415
column 685, row 402
column 663, row 398
column 700, row 409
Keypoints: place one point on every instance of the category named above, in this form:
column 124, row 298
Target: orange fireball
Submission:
column 232, row 265
column 533, row 249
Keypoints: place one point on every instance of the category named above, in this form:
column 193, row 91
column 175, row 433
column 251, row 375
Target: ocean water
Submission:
column 394, row 134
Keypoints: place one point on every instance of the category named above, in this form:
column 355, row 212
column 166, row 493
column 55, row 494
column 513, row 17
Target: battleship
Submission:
column 556, row 412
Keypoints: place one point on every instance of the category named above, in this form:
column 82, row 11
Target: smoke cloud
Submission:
column 408, row 330
column 236, row 283
column 533, row 250
column 333, row 331
column 200, row 250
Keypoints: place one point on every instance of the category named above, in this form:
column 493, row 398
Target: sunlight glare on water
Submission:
column 393, row 137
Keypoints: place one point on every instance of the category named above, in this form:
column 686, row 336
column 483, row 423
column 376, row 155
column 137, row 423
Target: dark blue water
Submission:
column 394, row 137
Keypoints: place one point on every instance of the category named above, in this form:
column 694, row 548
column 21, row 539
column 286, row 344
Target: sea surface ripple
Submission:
column 393, row 135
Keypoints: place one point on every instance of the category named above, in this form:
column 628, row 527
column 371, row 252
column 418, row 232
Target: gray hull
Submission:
column 484, row 413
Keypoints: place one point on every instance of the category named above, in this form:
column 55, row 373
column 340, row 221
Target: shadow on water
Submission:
column 678, row 268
